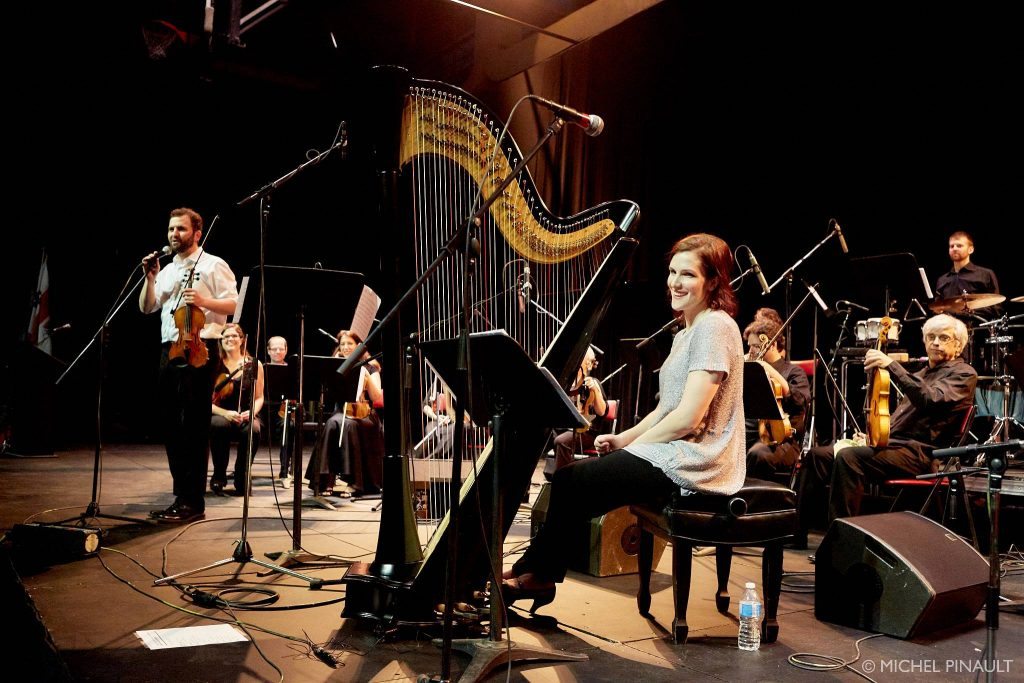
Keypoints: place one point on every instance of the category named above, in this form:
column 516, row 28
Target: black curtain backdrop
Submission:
column 756, row 123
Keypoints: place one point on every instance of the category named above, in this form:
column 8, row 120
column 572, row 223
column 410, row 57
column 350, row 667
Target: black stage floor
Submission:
column 92, row 607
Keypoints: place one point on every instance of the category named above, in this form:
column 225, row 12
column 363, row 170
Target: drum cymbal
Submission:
column 1018, row 299
column 966, row 302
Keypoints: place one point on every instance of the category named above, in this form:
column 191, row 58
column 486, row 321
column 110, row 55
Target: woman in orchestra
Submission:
column 352, row 445
column 232, row 394
column 692, row 441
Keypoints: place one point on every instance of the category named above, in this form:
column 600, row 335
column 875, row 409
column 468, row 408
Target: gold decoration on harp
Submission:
column 464, row 139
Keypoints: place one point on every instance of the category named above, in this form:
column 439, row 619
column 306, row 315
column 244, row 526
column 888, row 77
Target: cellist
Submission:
column 765, row 455
column 205, row 286
column 929, row 416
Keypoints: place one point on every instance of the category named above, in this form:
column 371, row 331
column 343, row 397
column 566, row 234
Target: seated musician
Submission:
column 439, row 431
column 929, row 417
column 590, row 401
column 766, row 456
column 352, row 444
column 277, row 354
column 230, row 418
column 692, row 441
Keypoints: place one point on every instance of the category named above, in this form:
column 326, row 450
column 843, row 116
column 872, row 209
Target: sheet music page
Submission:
column 927, row 285
column 236, row 316
column 366, row 309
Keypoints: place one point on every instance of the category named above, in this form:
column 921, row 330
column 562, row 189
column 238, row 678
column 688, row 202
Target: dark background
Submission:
column 756, row 123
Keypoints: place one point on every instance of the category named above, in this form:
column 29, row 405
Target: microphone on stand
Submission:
column 644, row 342
column 943, row 453
column 839, row 233
column 327, row 334
column 592, row 124
column 817, row 297
column 524, row 289
column 850, row 304
column 756, row 267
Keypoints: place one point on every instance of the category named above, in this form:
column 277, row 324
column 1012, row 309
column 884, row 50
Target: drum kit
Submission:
column 992, row 351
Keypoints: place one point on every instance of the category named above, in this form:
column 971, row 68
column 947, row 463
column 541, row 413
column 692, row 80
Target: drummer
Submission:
column 965, row 277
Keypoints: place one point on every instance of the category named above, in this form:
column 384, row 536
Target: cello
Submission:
column 189, row 319
column 878, row 394
column 773, row 432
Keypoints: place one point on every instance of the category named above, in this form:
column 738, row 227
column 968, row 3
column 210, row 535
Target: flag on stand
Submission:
column 39, row 323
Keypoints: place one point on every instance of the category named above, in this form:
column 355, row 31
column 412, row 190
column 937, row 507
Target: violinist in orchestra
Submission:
column 352, row 445
column 767, row 453
column 237, row 402
column 692, row 441
column 590, row 400
column 930, row 416
column 194, row 293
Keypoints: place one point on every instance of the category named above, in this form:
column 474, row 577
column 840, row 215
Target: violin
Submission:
column 189, row 319
column 878, row 394
column 773, row 432
column 223, row 387
column 586, row 403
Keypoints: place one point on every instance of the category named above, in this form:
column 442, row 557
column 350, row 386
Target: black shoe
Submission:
column 541, row 593
column 169, row 508
column 799, row 542
column 179, row 514
column 217, row 484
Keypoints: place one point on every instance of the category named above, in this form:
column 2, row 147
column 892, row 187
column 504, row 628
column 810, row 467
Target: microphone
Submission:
column 325, row 332
column 943, row 453
column 839, row 232
column 61, row 328
column 524, row 289
column 756, row 267
column 850, row 304
column 817, row 297
column 592, row 124
column 647, row 340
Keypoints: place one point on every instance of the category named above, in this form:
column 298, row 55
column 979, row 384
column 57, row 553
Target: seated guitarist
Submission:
column 591, row 403
column 930, row 416
column 766, row 455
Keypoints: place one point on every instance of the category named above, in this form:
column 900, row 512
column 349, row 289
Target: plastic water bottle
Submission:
column 750, row 619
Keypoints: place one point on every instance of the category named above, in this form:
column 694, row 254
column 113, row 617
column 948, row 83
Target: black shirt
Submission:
column 931, row 413
column 971, row 279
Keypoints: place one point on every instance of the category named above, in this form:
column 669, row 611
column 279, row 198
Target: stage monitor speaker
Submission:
column 898, row 573
column 605, row 546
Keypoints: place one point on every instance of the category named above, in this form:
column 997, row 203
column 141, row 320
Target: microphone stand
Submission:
column 465, row 241
column 93, row 509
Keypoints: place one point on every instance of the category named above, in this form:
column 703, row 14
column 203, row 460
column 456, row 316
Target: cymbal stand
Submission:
column 1001, row 425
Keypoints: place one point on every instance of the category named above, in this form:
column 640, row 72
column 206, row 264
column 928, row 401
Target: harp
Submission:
column 546, row 280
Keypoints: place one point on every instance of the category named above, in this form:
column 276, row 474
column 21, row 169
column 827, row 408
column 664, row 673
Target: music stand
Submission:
column 759, row 401
column 506, row 386
column 879, row 281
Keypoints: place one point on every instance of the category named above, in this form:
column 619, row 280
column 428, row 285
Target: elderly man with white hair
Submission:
column 930, row 416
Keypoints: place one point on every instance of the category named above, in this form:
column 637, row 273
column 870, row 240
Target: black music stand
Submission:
column 880, row 282
column 759, row 401
column 504, row 383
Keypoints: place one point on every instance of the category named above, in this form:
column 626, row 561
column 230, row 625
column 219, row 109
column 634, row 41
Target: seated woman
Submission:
column 352, row 443
column 692, row 441
column 230, row 419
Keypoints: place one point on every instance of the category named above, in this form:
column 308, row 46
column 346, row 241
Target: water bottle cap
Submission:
column 749, row 584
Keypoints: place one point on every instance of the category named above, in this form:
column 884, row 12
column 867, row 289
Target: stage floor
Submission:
column 92, row 607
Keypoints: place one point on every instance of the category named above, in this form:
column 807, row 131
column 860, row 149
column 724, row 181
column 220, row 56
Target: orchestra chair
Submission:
column 762, row 514
column 953, row 483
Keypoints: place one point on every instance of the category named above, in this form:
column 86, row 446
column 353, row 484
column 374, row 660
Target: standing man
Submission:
column 964, row 276
column 185, row 389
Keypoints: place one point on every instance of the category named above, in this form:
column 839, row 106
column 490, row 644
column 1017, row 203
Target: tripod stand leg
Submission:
column 489, row 654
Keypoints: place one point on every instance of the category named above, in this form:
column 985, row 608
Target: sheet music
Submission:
column 366, row 309
column 236, row 317
column 927, row 286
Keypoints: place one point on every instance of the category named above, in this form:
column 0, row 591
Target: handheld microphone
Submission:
column 756, row 267
column 839, row 233
column 592, row 124
column 850, row 304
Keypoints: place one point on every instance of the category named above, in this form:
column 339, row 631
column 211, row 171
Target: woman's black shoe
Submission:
column 217, row 485
column 542, row 594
